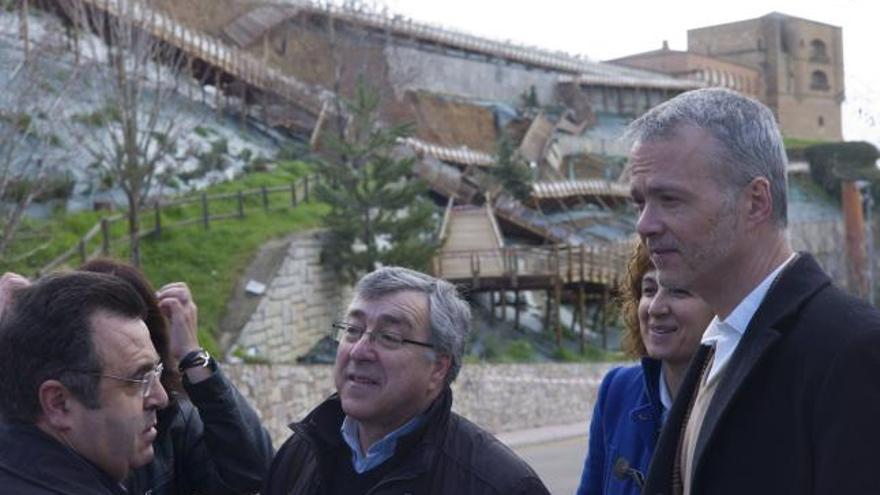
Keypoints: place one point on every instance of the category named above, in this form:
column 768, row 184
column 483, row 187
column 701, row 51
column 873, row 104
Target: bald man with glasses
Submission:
column 390, row 428
column 79, row 386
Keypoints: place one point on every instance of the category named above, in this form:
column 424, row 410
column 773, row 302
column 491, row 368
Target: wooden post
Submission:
column 293, row 194
column 82, row 250
column 516, row 309
column 240, row 196
column 503, row 294
column 265, row 195
column 569, row 271
column 306, row 189
column 547, row 303
column 557, row 300
column 217, row 101
column 105, row 237
column 581, row 255
column 492, row 306
column 582, row 309
column 604, row 325
column 158, row 215
column 206, row 218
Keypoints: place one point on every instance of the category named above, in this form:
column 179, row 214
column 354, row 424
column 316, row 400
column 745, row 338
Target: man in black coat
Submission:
column 79, row 386
column 783, row 395
column 390, row 428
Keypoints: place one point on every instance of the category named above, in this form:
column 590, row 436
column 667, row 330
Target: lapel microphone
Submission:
column 622, row 471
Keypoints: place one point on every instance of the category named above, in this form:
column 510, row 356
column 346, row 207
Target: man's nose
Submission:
column 157, row 397
column 364, row 348
column 649, row 223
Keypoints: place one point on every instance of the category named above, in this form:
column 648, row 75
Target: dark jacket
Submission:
column 212, row 445
column 449, row 455
column 33, row 463
column 625, row 425
column 796, row 409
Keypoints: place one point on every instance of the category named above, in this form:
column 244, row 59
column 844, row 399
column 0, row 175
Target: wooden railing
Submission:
column 99, row 239
column 596, row 264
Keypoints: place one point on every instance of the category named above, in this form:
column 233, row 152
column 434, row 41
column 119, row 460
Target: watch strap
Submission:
column 198, row 358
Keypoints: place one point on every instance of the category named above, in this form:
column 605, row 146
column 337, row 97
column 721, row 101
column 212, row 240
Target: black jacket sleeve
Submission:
column 221, row 447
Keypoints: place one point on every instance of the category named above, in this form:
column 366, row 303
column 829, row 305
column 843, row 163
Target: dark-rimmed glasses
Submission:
column 387, row 340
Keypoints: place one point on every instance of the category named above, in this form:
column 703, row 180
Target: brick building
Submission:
column 793, row 65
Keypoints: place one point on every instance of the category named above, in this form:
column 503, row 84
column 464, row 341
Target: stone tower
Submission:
column 801, row 62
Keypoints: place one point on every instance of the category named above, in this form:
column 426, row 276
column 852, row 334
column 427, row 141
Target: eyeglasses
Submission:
column 386, row 340
column 149, row 379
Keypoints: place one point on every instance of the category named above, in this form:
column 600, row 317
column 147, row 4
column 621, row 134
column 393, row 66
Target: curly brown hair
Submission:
column 630, row 294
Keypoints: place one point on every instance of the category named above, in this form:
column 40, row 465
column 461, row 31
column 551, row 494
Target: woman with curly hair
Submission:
column 663, row 327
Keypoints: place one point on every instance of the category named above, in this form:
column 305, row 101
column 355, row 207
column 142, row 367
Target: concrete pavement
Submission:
column 556, row 453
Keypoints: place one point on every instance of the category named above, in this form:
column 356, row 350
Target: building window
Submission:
column 821, row 121
column 819, row 81
column 818, row 51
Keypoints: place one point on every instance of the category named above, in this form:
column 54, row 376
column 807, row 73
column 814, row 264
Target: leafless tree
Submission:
column 29, row 151
column 136, row 77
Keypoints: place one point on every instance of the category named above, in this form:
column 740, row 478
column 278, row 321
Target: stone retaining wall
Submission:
column 300, row 303
column 501, row 398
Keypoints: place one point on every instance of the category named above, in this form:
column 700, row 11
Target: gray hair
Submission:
column 749, row 144
column 448, row 313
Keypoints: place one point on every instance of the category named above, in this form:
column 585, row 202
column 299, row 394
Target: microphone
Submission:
column 622, row 471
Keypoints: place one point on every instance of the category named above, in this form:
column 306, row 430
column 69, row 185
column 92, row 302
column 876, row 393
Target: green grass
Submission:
column 209, row 260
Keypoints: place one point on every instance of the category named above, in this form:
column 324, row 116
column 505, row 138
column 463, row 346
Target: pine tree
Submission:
column 511, row 170
column 379, row 214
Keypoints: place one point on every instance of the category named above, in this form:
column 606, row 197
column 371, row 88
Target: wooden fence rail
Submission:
column 297, row 192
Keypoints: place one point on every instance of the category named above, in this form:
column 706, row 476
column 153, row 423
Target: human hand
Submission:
column 176, row 303
column 9, row 283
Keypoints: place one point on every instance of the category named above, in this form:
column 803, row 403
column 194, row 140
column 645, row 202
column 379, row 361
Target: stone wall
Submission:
column 501, row 398
column 300, row 303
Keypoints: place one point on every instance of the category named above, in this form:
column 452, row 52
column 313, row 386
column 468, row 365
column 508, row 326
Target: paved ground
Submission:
column 559, row 463
column 556, row 453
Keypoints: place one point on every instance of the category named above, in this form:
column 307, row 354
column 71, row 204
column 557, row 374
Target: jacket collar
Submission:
column 800, row 280
column 32, row 455
column 321, row 429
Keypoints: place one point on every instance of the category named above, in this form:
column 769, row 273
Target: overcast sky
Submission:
column 610, row 29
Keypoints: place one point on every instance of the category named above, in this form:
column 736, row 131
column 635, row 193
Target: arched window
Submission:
column 819, row 81
column 821, row 121
column 818, row 52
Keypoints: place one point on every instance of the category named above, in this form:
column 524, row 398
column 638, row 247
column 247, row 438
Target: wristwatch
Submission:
column 198, row 358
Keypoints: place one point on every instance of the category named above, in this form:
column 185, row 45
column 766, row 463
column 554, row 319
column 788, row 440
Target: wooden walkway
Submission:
column 535, row 267
column 219, row 56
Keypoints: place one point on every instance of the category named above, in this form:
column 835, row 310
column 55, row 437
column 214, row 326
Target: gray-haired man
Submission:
column 389, row 428
column 783, row 395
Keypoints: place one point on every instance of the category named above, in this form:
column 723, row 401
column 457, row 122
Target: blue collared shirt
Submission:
column 380, row 451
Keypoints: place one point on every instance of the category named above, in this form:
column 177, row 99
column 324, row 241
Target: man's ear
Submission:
column 759, row 200
column 57, row 404
column 440, row 368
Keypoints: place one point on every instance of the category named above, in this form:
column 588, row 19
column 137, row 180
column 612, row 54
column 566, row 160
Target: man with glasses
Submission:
column 79, row 386
column 389, row 428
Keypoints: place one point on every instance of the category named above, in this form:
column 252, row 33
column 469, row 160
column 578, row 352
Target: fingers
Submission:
column 9, row 283
column 175, row 290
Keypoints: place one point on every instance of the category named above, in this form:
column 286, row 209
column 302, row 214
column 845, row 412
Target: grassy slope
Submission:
column 211, row 260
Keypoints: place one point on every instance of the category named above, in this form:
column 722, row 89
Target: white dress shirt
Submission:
column 726, row 334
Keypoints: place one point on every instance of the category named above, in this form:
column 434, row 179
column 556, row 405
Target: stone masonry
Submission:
column 500, row 397
column 301, row 302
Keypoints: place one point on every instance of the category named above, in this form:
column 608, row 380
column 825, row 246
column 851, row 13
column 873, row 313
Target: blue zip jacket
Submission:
column 624, row 430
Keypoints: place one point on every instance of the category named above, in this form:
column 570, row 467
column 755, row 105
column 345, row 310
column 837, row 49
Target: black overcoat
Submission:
column 797, row 410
